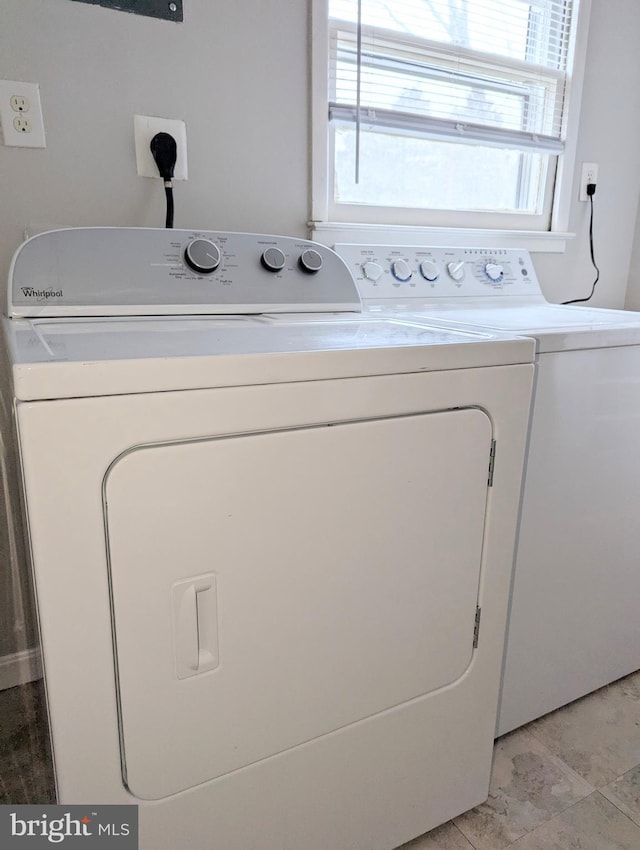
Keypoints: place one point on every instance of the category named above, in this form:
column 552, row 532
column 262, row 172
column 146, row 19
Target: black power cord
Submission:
column 165, row 152
column 591, row 190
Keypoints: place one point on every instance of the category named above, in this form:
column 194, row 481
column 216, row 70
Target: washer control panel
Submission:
column 387, row 271
column 127, row 271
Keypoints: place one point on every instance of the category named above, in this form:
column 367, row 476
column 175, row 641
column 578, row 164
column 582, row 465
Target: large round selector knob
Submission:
column 456, row 270
column 274, row 259
column 202, row 255
column 311, row 260
column 372, row 271
column 429, row 270
column 401, row 270
column 494, row 272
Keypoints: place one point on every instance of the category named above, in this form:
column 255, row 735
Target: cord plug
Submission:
column 591, row 189
column 165, row 153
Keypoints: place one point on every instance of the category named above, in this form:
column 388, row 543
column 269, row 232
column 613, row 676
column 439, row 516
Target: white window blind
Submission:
column 489, row 72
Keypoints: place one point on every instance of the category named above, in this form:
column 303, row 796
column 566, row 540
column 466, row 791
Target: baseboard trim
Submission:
column 20, row 668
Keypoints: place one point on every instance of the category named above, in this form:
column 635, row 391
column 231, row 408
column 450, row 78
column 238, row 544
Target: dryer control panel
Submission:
column 387, row 271
column 129, row 271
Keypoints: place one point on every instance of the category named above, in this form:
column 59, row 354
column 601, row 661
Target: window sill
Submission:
column 331, row 233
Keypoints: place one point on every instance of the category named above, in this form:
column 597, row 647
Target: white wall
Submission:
column 237, row 73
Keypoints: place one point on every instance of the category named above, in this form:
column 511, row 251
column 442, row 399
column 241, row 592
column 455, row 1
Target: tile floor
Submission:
column 569, row 781
column 26, row 773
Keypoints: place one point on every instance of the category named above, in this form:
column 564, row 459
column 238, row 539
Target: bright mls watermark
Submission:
column 104, row 827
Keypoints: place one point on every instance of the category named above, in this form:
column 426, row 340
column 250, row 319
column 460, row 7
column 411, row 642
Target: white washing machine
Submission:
column 271, row 554
column 574, row 623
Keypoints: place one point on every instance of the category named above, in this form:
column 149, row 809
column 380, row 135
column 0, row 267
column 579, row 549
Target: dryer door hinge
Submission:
column 492, row 461
column 476, row 627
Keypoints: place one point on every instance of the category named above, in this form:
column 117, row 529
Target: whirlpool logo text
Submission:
column 42, row 294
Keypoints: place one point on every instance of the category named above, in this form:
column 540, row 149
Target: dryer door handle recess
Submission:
column 194, row 604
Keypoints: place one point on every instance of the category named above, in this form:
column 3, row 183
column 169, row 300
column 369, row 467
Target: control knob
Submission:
column 401, row 270
column 372, row 271
column 273, row 259
column 310, row 260
column 494, row 272
column 456, row 270
column 429, row 270
column 202, row 255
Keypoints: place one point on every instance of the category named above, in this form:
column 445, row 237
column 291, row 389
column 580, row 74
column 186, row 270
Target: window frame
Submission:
column 361, row 223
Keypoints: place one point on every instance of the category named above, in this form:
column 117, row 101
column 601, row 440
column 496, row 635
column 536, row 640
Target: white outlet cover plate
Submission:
column 589, row 174
column 11, row 135
column 145, row 128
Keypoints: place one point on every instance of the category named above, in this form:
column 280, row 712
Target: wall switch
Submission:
column 145, row 128
column 588, row 175
column 21, row 114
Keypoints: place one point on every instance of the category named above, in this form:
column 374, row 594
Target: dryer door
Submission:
column 270, row 588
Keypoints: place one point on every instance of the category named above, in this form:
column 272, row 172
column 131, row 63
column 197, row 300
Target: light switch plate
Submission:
column 21, row 114
column 145, row 128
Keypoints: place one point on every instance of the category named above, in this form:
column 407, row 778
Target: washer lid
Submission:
column 556, row 327
column 64, row 358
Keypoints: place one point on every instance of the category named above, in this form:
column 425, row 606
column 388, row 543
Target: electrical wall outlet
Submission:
column 22, row 124
column 19, row 103
column 145, row 128
column 21, row 114
column 589, row 175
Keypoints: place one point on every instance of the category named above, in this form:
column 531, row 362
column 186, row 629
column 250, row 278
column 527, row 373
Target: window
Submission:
column 451, row 112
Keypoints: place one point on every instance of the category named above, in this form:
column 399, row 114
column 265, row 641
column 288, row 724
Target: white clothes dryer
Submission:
column 271, row 561
column 574, row 623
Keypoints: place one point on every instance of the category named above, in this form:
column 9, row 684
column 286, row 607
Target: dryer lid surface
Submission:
column 67, row 358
